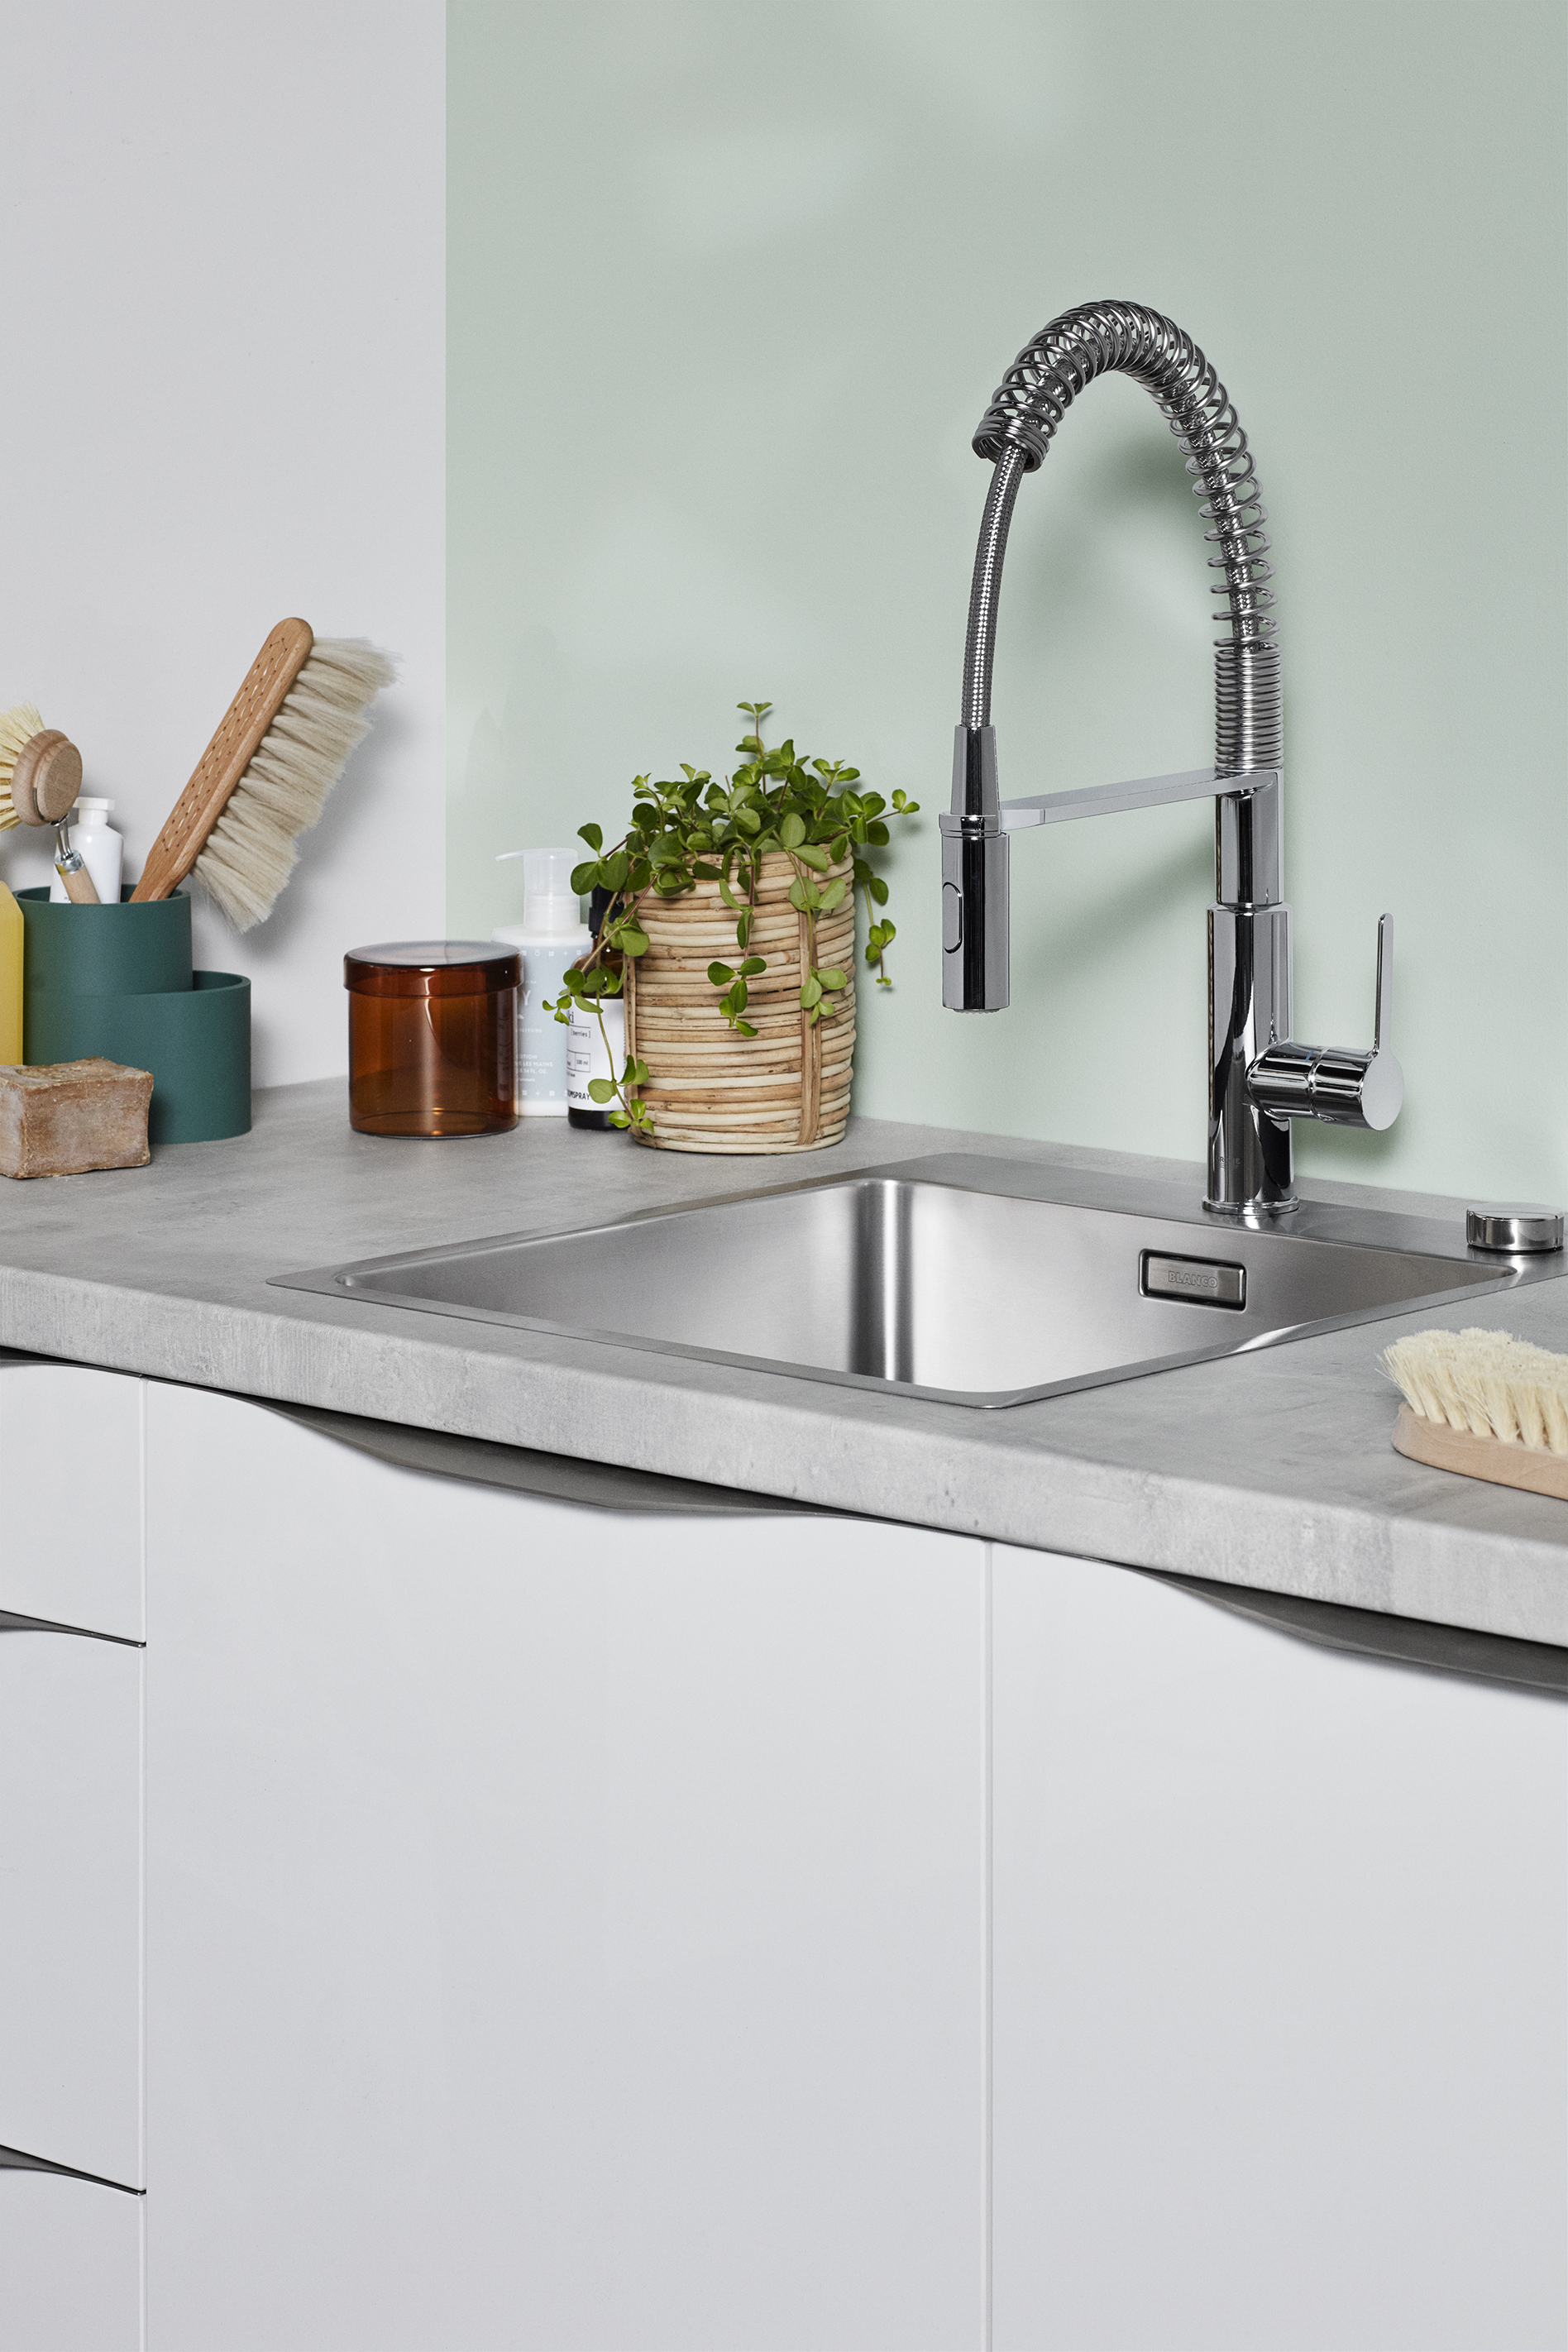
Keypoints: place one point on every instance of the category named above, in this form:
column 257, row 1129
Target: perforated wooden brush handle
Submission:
column 224, row 760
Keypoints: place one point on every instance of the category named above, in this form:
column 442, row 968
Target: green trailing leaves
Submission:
column 733, row 1002
column 879, row 938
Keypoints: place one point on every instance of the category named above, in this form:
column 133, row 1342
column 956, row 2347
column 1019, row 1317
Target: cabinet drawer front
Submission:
column 563, row 1931
column 70, row 2265
column 71, row 1495
column 1279, row 1962
column 70, row 1739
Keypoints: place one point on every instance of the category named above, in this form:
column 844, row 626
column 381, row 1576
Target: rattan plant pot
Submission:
column 785, row 1090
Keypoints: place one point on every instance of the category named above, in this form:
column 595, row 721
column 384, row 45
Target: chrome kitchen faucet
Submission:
column 1260, row 1078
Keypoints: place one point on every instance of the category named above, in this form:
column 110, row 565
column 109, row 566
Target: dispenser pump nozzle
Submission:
column 550, row 907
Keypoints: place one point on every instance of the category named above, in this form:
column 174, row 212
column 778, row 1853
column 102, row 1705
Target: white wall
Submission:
column 224, row 402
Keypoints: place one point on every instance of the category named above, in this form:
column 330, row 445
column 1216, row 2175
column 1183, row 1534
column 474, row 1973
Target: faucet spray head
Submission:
column 975, row 873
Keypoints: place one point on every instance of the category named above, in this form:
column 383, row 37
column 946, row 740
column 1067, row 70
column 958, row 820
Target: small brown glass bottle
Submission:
column 432, row 1037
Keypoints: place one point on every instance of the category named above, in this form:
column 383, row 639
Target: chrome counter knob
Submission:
column 1513, row 1228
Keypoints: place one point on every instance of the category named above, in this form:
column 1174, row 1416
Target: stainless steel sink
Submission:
column 979, row 1281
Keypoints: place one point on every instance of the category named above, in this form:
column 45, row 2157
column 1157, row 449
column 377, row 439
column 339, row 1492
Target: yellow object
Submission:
column 10, row 979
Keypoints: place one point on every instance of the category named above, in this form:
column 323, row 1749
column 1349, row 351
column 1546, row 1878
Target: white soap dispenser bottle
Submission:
column 551, row 936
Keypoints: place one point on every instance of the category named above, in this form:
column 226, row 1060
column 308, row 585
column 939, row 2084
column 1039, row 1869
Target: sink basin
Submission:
column 980, row 1281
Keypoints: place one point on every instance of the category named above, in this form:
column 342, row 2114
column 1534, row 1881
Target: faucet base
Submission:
column 1259, row 1214
column 1250, row 1155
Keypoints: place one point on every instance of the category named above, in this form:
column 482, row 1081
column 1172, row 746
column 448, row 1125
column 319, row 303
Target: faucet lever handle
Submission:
column 1383, row 1013
column 1289, row 1080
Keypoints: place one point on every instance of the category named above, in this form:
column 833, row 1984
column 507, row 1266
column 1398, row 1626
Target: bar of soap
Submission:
column 65, row 1117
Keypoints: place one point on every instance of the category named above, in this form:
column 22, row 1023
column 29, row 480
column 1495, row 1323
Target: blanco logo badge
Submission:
column 1205, row 1282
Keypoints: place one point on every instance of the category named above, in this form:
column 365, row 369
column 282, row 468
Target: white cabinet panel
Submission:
column 1280, row 1983
column 565, row 1928
column 70, row 1477
column 70, row 2265
column 69, row 1901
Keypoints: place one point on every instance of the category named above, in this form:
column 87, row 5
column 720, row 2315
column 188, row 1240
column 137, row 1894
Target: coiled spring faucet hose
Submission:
column 1015, row 432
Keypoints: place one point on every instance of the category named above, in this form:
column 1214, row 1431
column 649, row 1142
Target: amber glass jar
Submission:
column 433, row 1037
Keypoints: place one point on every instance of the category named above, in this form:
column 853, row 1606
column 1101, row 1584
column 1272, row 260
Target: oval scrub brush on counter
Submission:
column 40, row 776
column 264, row 778
column 1486, row 1405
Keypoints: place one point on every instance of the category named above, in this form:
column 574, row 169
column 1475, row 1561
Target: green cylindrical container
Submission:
column 117, row 981
column 195, row 1041
column 123, row 951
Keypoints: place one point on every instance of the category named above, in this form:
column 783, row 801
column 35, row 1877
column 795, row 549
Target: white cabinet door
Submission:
column 70, row 1736
column 565, row 1928
column 1281, row 1987
column 70, row 1495
column 70, row 2265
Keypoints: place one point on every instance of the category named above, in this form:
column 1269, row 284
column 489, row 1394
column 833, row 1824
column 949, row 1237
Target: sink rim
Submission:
column 1313, row 1223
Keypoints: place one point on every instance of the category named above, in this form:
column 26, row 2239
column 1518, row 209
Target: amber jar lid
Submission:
column 432, row 967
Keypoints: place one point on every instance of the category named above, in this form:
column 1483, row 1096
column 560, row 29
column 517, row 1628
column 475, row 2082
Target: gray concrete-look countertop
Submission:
column 1271, row 1469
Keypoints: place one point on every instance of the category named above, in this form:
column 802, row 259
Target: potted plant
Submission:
column 749, row 1050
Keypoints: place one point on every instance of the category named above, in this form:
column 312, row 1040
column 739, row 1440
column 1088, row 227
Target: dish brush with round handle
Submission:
column 264, row 779
column 40, row 776
column 1486, row 1405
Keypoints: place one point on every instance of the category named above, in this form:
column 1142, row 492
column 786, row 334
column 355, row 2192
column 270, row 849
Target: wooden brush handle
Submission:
column 47, row 778
column 224, row 760
column 1504, row 1465
column 79, row 886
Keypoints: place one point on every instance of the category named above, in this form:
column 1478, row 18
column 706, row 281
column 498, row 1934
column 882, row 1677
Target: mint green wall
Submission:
column 730, row 287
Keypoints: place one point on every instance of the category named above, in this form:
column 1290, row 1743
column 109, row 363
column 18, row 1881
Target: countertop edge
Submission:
column 1354, row 1555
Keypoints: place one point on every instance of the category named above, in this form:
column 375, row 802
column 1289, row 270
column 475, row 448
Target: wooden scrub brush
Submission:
column 1484, row 1403
column 40, row 776
column 264, row 778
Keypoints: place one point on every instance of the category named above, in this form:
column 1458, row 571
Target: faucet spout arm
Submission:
column 1248, row 845
column 1105, row 799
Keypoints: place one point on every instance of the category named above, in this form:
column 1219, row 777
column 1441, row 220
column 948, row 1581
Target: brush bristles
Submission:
column 251, row 852
column 1484, row 1382
column 17, row 726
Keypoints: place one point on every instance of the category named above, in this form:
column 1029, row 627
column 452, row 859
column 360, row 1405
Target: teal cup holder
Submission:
column 118, row 980
column 123, row 951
